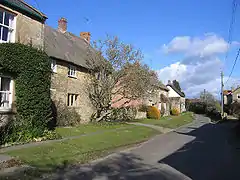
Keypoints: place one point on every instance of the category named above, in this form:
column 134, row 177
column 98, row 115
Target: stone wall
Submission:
column 141, row 115
column 29, row 31
column 62, row 85
column 178, row 102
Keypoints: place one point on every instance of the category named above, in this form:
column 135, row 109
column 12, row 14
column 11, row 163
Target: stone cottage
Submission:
column 68, row 54
column 176, row 98
column 19, row 22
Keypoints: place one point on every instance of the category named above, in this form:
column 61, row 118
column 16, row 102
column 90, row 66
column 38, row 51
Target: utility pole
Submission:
column 204, row 95
column 222, row 95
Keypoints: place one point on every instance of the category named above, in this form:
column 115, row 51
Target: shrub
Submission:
column 153, row 112
column 175, row 112
column 235, row 109
column 31, row 71
column 123, row 114
column 143, row 108
column 197, row 107
column 66, row 116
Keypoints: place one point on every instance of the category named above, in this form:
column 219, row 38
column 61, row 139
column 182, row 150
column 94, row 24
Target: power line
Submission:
column 37, row 4
column 234, row 64
column 230, row 31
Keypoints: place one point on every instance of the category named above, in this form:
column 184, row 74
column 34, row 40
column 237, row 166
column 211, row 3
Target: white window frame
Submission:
column 54, row 65
column 10, row 93
column 72, row 100
column 72, row 71
column 12, row 27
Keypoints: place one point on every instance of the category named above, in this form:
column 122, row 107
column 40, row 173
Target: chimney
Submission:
column 62, row 25
column 86, row 36
column 169, row 81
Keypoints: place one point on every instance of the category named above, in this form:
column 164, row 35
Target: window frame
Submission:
column 72, row 100
column 10, row 94
column 11, row 28
column 72, row 71
column 54, row 66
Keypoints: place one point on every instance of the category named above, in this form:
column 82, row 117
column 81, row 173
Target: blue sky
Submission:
column 148, row 25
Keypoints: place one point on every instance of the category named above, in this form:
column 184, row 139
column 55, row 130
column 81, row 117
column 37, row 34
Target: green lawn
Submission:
column 81, row 150
column 170, row 121
column 90, row 128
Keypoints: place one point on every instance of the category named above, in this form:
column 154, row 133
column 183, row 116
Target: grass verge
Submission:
column 170, row 121
column 89, row 128
column 80, row 150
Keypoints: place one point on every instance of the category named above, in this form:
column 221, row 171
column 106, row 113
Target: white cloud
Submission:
column 208, row 45
column 193, row 78
column 200, row 66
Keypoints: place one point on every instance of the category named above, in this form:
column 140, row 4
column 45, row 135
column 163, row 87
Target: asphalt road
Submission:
column 199, row 151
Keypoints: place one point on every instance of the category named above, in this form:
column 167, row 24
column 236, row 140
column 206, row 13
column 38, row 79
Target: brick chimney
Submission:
column 86, row 36
column 62, row 25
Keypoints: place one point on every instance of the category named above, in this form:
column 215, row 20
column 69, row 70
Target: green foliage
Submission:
column 235, row 109
column 175, row 112
column 50, row 135
column 177, row 85
column 13, row 133
column 197, row 107
column 31, row 71
column 153, row 112
column 123, row 114
column 143, row 108
column 66, row 116
column 211, row 109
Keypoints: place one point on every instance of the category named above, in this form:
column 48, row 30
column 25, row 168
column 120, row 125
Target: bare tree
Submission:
column 116, row 71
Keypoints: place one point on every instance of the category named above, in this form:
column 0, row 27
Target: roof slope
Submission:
column 176, row 90
column 26, row 9
column 65, row 46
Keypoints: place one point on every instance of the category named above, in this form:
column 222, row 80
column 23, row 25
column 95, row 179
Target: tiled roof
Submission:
column 26, row 9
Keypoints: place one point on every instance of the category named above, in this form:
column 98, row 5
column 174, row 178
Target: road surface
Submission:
column 199, row 151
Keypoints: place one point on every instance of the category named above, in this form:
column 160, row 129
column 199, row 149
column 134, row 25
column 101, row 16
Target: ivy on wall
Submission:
column 30, row 69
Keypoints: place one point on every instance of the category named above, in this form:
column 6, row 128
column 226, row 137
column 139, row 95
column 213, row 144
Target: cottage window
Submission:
column 7, row 25
column 72, row 71
column 72, row 100
column 54, row 66
column 5, row 93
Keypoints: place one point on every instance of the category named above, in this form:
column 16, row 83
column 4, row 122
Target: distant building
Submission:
column 176, row 97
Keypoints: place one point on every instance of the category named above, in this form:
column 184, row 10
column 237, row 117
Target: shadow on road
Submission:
column 124, row 166
column 210, row 156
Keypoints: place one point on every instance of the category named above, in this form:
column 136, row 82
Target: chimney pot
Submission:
column 62, row 25
column 86, row 36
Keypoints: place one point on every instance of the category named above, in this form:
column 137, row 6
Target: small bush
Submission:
column 123, row 114
column 153, row 112
column 175, row 112
column 12, row 133
column 143, row 108
column 66, row 116
column 197, row 107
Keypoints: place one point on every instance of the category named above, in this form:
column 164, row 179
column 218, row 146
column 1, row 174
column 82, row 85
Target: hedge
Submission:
column 31, row 70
